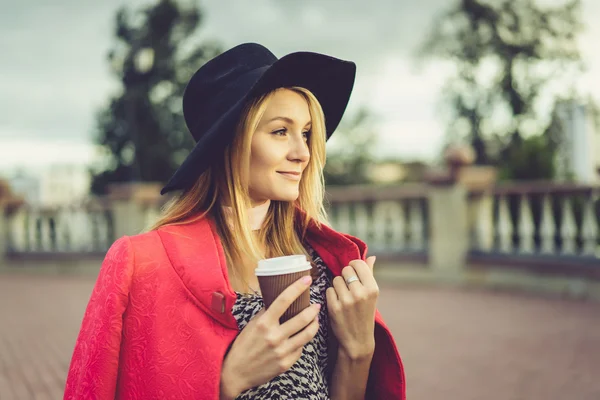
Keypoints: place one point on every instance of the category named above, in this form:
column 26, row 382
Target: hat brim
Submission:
column 330, row 79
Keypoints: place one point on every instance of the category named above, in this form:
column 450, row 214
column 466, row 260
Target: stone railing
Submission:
column 392, row 220
column 450, row 229
column 63, row 230
column 542, row 218
column 514, row 220
column 82, row 229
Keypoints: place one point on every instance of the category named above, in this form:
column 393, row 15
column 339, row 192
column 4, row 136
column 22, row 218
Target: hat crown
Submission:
column 212, row 88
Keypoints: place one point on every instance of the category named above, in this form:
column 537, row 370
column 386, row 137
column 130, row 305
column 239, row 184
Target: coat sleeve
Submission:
column 94, row 364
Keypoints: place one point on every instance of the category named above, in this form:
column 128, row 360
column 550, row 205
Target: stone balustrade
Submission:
column 545, row 234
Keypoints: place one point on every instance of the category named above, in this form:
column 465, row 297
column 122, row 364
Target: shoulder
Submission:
column 127, row 249
column 146, row 241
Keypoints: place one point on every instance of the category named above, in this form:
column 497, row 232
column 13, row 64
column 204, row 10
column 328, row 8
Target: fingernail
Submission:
column 306, row 280
column 318, row 306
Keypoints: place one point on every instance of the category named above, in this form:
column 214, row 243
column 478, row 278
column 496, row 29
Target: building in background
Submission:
column 53, row 186
column 64, row 185
column 579, row 155
column 26, row 185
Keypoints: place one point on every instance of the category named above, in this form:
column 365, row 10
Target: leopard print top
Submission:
column 307, row 378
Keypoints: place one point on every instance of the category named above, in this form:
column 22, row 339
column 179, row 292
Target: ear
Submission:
column 371, row 261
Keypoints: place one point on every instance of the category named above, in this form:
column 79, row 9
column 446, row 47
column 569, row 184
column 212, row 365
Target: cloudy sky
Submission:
column 54, row 76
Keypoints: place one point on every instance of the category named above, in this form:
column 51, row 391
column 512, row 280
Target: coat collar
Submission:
column 197, row 257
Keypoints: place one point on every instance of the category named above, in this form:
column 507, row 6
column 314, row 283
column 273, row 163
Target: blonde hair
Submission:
column 281, row 234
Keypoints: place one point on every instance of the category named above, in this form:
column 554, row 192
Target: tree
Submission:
column 142, row 131
column 350, row 151
column 506, row 55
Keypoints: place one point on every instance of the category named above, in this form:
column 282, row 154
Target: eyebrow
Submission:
column 288, row 120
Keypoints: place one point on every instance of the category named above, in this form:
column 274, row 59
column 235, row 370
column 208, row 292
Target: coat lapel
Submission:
column 196, row 254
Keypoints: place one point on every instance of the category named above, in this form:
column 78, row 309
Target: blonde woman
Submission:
column 177, row 312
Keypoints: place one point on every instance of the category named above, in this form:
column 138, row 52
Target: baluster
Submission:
column 75, row 231
column 415, row 218
column 547, row 227
column 88, row 229
column 61, row 243
column 526, row 227
column 32, row 230
column 484, row 224
column 81, row 230
column 62, row 230
column 589, row 229
column 93, row 225
column 103, row 233
column 388, row 217
column 399, row 227
column 361, row 218
column 18, row 230
column 568, row 229
column 45, row 232
column 504, row 226
column 342, row 220
column 381, row 224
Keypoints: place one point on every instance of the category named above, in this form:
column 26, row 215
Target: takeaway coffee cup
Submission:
column 276, row 274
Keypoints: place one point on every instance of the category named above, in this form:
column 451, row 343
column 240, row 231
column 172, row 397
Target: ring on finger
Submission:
column 351, row 279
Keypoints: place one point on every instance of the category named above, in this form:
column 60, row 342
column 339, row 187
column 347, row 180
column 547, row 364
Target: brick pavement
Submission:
column 455, row 345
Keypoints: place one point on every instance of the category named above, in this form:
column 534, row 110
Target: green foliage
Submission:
column 142, row 130
column 505, row 53
column 350, row 151
column 531, row 158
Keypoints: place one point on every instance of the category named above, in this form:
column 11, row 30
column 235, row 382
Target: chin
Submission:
column 289, row 196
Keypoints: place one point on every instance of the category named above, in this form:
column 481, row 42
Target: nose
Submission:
column 298, row 150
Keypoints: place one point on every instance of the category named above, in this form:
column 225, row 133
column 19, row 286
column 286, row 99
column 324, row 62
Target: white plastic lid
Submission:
column 282, row 265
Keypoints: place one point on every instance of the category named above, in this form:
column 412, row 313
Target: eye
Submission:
column 280, row 132
column 306, row 134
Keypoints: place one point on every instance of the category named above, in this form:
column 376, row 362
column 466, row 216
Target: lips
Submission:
column 293, row 175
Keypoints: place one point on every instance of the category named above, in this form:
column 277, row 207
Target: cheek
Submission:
column 263, row 158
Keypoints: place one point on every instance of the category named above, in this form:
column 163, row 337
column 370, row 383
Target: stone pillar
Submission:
column 481, row 218
column 449, row 217
column 448, row 229
column 129, row 203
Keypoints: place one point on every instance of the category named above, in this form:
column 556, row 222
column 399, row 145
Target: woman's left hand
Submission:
column 352, row 309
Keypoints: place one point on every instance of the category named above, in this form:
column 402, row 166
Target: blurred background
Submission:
column 468, row 160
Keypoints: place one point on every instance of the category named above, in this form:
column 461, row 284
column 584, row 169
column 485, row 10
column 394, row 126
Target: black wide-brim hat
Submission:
column 217, row 94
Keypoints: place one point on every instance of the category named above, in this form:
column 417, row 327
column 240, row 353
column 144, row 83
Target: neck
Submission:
column 256, row 215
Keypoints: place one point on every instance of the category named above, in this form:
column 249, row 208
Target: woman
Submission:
column 177, row 313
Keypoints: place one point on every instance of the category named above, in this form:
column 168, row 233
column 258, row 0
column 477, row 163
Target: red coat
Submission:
column 159, row 320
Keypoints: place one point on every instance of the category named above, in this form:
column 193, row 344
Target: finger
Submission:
column 331, row 295
column 298, row 341
column 333, row 303
column 341, row 289
column 371, row 261
column 287, row 297
column 300, row 321
column 354, row 286
column 364, row 272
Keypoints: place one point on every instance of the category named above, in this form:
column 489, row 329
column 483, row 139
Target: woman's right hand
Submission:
column 265, row 348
